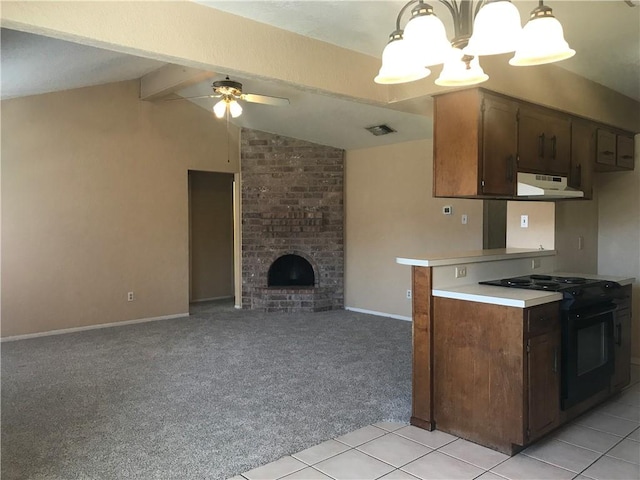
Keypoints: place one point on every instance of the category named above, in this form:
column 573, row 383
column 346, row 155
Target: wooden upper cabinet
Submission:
column 614, row 150
column 482, row 139
column 475, row 135
column 583, row 141
column 499, row 134
column 544, row 141
column 625, row 151
column 606, row 144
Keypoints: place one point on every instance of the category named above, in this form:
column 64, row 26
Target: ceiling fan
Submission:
column 230, row 92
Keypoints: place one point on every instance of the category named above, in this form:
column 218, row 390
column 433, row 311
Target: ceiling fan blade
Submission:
column 264, row 99
column 193, row 98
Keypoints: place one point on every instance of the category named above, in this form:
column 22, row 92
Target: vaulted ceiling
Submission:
column 606, row 35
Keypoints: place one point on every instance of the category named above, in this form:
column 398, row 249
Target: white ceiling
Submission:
column 606, row 35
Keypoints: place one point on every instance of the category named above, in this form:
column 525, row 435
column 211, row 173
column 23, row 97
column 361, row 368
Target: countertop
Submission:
column 516, row 297
column 473, row 256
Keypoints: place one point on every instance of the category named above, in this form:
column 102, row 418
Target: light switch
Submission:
column 524, row 221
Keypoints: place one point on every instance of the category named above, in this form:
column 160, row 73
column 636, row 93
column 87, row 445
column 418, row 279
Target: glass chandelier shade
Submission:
column 496, row 29
column 399, row 64
column 542, row 41
column 427, row 37
column 220, row 108
column 457, row 72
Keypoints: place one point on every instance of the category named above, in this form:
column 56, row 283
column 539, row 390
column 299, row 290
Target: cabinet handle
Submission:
column 553, row 147
column 619, row 331
column 627, row 157
column 555, row 360
column 510, row 168
column 541, row 145
column 579, row 169
column 607, row 152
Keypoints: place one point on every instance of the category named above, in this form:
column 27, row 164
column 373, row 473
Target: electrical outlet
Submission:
column 409, row 294
column 461, row 272
column 465, row 219
column 130, row 297
column 524, row 221
column 535, row 263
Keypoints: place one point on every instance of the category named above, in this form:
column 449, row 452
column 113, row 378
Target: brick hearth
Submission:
column 292, row 203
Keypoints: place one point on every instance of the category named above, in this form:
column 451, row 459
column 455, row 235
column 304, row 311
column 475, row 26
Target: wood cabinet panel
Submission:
column 583, row 138
column 625, row 152
column 499, row 134
column 606, row 147
column 544, row 139
column 422, row 379
column 543, row 375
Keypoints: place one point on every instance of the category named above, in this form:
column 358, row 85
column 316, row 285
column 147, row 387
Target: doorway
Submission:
column 211, row 237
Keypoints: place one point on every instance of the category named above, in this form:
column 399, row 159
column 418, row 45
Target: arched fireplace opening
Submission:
column 290, row 271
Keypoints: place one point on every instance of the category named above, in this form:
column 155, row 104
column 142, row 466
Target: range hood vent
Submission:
column 543, row 187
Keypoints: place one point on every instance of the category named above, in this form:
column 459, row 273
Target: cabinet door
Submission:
column 543, row 369
column 624, row 152
column 499, row 136
column 582, row 156
column 622, row 349
column 606, row 147
column 543, row 141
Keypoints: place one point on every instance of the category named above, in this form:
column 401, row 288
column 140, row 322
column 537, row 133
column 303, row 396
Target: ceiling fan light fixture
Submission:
column 426, row 36
column 542, row 40
column 220, row 108
column 399, row 65
column 461, row 70
column 235, row 109
column 496, row 29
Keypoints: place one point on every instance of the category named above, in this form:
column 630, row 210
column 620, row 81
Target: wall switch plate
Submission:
column 130, row 297
column 447, row 210
column 461, row 272
column 580, row 242
column 465, row 219
column 524, row 221
column 535, row 263
column 408, row 294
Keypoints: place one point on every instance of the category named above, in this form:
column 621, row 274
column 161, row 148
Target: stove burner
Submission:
column 540, row 277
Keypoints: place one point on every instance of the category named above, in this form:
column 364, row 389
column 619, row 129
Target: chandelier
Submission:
column 483, row 27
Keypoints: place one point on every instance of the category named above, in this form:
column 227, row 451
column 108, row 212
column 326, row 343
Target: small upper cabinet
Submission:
column 614, row 150
column 544, row 141
column 625, row 151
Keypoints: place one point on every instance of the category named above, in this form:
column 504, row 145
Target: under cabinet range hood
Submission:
column 545, row 187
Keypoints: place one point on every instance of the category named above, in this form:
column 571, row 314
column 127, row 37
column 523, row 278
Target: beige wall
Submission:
column 575, row 219
column 390, row 212
column 95, row 204
column 211, row 235
column 619, row 232
column 540, row 231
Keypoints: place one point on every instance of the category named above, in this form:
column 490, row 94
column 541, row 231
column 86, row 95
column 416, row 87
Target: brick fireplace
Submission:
column 292, row 224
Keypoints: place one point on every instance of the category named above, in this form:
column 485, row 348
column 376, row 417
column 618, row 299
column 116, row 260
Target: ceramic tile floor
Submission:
column 603, row 444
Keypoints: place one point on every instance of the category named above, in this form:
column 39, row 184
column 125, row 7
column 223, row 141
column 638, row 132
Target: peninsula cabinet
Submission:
column 496, row 372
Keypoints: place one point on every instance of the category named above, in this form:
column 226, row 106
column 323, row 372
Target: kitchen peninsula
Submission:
column 488, row 360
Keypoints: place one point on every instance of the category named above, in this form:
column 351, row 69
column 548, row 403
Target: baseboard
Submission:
column 62, row 331
column 211, row 299
column 378, row 314
column 635, row 360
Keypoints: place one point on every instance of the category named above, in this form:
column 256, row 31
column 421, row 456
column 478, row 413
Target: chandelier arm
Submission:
column 404, row 9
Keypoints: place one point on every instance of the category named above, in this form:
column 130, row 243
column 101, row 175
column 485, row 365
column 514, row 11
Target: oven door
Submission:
column 587, row 353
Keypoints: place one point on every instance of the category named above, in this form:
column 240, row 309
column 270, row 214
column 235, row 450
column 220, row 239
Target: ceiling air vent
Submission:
column 378, row 130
